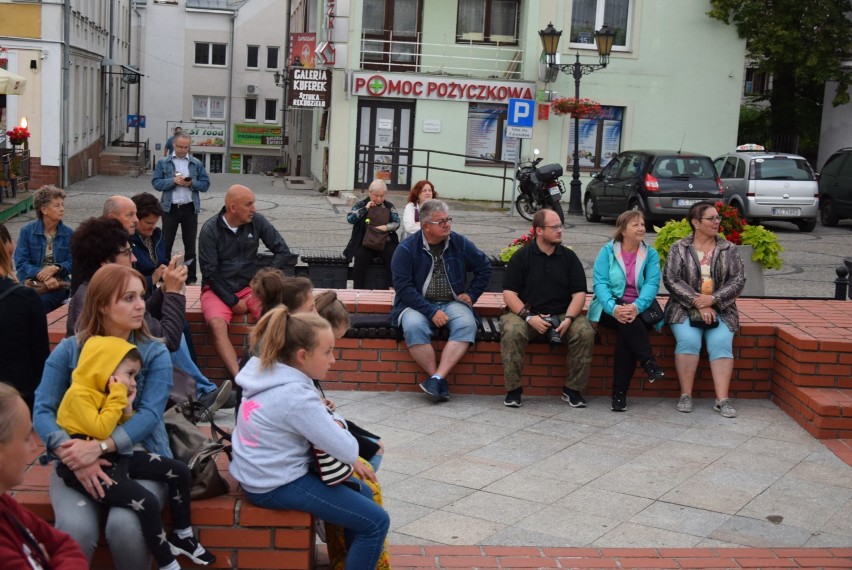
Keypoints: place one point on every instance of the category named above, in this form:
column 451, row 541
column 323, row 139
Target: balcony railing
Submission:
column 441, row 54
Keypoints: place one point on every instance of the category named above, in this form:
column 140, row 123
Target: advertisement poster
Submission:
column 588, row 138
column 302, row 48
column 208, row 136
column 234, row 164
column 482, row 133
column 257, row 135
column 511, row 147
column 611, row 141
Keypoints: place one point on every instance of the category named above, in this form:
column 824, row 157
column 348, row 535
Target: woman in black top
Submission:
column 23, row 327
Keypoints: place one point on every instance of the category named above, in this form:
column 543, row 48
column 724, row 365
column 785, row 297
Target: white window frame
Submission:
column 599, row 23
column 266, row 119
column 208, row 104
column 210, row 54
column 248, row 47
column 245, row 108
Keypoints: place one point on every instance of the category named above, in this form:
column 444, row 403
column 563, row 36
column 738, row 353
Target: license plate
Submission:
column 554, row 191
column 786, row 211
column 685, row 202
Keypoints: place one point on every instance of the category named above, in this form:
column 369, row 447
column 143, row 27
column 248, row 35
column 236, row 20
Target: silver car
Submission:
column 770, row 186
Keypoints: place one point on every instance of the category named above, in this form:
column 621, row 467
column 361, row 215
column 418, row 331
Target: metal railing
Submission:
column 367, row 150
column 441, row 54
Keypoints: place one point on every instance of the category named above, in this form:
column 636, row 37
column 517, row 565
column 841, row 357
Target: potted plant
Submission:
column 582, row 108
column 759, row 247
column 280, row 171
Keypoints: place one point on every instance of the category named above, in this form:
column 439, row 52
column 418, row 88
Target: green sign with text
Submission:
column 257, row 135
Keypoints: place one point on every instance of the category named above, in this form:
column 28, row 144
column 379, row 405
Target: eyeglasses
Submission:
column 443, row 223
column 713, row 218
column 128, row 252
column 554, row 227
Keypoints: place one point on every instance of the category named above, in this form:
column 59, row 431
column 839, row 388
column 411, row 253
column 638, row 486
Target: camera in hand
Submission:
column 551, row 334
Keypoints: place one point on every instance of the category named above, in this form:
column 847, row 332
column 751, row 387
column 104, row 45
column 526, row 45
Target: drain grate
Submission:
column 295, row 181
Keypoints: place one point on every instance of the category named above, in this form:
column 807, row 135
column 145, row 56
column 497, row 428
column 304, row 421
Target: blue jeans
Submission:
column 417, row 329
column 181, row 359
column 364, row 521
column 719, row 340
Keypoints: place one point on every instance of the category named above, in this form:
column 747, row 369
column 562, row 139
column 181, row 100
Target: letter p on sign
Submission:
column 521, row 113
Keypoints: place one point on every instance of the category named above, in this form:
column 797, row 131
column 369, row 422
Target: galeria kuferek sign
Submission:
column 309, row 88
column 402, row 85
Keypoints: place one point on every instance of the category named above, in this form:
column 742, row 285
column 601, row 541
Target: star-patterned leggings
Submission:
column 128, row 494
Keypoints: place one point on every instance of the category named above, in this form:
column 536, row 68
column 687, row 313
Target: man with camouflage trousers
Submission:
column 546, row 280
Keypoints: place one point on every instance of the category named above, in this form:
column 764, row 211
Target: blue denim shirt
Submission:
column 164, row 181
column 32, row 245
column 412, row 270
column 153, row 383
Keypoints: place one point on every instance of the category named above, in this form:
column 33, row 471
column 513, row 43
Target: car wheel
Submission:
column 806, row 225
column 591, row 209
column 636, row 204
column 827, row 214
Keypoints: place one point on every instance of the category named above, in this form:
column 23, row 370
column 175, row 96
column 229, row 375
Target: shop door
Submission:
column 213, row 162
column 385, row 138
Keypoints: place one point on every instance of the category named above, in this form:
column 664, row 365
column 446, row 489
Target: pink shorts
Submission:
column 212, row 306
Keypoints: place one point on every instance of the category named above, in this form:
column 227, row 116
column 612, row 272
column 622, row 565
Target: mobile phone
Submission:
column 187, row 178
column 179, row 262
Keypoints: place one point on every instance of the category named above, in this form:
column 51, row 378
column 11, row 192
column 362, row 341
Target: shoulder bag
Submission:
column 192, row 446
column 375, row 239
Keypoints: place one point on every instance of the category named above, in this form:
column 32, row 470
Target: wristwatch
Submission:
column 104, row 446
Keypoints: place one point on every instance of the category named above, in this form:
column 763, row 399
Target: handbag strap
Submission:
column 14, row 287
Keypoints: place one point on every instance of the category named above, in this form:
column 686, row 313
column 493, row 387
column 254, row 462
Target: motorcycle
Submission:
column 539, row 188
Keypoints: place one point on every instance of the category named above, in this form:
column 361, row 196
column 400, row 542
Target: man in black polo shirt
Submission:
column 545, row 284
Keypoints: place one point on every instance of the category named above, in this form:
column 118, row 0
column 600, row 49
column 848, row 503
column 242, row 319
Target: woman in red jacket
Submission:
column 26, row 541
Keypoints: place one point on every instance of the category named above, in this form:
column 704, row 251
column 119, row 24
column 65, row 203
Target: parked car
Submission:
column 663, row 184
column 766, row 186
column 835, row 188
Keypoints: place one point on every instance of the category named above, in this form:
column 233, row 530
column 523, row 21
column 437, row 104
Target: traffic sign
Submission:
column 521, row 113
column 519, row 132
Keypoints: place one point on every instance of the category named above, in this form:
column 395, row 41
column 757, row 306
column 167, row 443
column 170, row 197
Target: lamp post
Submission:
column 604, row 39
column 281, row 80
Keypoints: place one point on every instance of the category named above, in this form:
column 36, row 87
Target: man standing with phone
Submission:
column 180, row 177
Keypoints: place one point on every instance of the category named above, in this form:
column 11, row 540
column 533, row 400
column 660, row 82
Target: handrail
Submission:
column 409, row 151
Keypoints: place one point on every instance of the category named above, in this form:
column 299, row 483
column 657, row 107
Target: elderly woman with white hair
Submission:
column 374, row 223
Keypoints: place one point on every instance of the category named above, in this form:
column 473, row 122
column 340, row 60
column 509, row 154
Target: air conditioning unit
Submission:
column 252, row 89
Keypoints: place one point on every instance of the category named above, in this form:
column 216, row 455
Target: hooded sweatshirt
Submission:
column 87, row 408
column 280, row 417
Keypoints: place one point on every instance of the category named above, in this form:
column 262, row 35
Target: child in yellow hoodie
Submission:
column 100, row 397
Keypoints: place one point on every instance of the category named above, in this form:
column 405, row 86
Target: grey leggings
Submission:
column 79, row 515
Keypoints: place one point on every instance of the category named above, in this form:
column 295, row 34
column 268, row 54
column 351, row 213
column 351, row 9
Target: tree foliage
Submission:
column 802, row 44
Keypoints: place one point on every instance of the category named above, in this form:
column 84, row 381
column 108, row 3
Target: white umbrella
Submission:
column 11, row 84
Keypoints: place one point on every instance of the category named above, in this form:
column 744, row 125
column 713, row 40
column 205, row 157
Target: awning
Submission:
column 107, row 62
column 11, row 84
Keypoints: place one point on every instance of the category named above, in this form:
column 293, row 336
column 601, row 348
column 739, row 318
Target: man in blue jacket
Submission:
column 429, row 274
column 180, row 177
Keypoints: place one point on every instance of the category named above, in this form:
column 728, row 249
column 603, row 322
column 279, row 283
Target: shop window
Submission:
column 271, row 57
column 488, row 21
column 587, row 16
column 210, row 54
column 207, row 107
column 252, row 56
column 271, row 114
column 486, row 135
column 600, row 139
column 251, row 109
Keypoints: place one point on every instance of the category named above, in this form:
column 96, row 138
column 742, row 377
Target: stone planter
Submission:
column 754, row 286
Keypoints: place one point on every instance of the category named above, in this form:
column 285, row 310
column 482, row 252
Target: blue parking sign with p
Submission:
column 521, row 113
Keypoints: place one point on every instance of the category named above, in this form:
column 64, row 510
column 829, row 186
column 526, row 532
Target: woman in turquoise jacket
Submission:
column 626, row 281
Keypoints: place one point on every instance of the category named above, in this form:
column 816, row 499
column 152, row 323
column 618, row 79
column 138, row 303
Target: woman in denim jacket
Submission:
column 704, row 275
column 44, row 247
column 114, row 306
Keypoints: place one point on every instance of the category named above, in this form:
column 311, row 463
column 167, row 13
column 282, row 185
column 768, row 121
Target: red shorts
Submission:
column 212, row 306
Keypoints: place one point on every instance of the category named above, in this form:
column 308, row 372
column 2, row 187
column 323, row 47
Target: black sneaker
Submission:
column 513, row 398
column 443, row 390
column 619, row 401
column 653, row 371
column 432, row 386
column 215, row 400
column 190, row 548
column 574, row 398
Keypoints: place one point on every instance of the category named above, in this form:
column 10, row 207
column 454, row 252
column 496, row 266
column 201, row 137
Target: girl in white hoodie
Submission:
column 282, row 416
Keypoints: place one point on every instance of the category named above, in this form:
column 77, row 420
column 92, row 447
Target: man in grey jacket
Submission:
column 227, row 250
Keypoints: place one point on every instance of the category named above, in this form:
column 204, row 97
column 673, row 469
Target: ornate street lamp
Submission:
column 604, row 39
column 281, row 80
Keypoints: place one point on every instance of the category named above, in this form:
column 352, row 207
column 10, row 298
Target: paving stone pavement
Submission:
column 472, row 472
